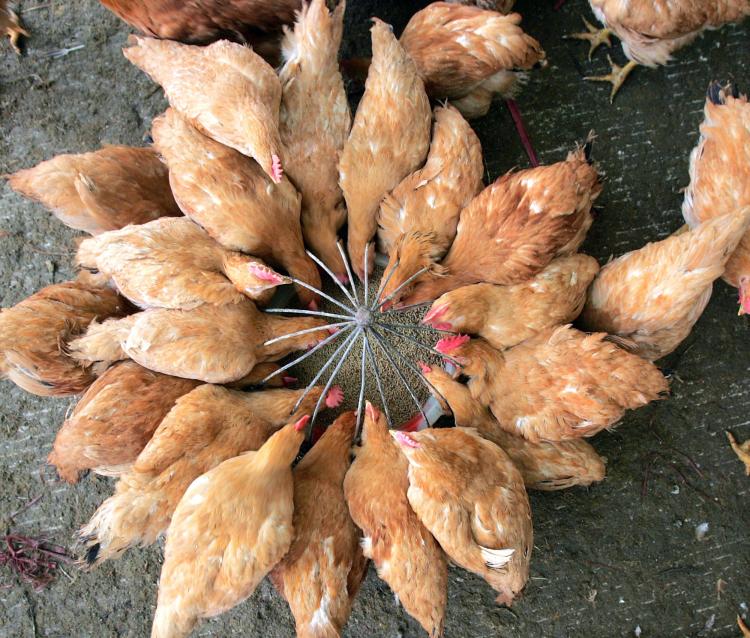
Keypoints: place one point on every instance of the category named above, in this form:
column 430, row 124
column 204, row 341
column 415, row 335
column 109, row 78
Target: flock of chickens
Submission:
column 163, row 330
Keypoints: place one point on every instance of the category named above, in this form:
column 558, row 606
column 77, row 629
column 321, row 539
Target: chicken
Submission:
column 100, row 191
column 501, row 6
column 389, row 139
column 471, row 497
column 114, row 420
column 314, row 124
column 173, row 263
column 742, row 450
column 506, row 315
column 206, row 426
column 467, row 54
column 233, row 200
column 720, row 176
column 516, row 226
column 322, row 572
column 215, row 344
column 654, row 295
column 652, row 30
column 545, row 465
column 10, row 26
column 231, row 527
column 560, row 384
column 418, row 218
column 238, row 104
column 405, row 554
column 36, row 332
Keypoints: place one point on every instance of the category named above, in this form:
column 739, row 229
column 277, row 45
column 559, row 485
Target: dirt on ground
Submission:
column 621, row 558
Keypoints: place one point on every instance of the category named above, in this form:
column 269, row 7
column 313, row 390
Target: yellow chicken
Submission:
column 314, row 124
column 231, row 527
column 389, row 139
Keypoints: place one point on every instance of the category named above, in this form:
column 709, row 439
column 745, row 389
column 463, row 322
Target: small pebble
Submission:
column 701, row 531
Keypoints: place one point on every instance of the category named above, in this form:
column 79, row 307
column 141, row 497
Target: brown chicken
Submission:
column 418, row 218
column 238, row 104
column 173, row 263
column 205, row 427
column 561, row 384
column 652, row 30
column 742, row 450
column 101, row 191
column 516, row 226
column 468, row 493
column 231, row 527
column 216, row 344
column 404, row 552
column 10, row 26
column 506, row 315
column 389, row 139
column 654, row 295
column 314, row 124
column 545, row 465
column 114, row 420
column 324, row 568
column 233, row 200
column 720, row 176
column 36, row 332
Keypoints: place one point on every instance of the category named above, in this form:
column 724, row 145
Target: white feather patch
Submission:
column 496, row 558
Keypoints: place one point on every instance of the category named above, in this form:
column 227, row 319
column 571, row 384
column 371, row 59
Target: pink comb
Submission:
column 404, row 439
column 344, row 279
column 266, row 274
column 300, row 425
column 424, row 367
column 276, row 171
column 313, row 305
column 448, row 344
column 332, row 330
column 414, row 424
column 435, row 313
column 371, row 411
column 288, row 381
column 335, row 397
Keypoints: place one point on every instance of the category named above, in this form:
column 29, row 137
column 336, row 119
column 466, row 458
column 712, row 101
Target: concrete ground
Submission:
column 619, row 559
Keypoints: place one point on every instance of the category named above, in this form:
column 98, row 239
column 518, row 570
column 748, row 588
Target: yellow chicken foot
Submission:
column 743, row 627
column 742, row 450
column 10, row 26
column 597, row 37
column 616, row 78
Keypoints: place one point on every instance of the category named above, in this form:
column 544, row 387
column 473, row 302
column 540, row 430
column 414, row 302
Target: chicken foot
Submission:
column 597, row 37
column 742, row 450
column 616, row 77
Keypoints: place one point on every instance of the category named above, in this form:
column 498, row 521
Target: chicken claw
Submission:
column 742, row 450
column 616, row 77
column 11, row 26
column 597, row 37
column 743, row 627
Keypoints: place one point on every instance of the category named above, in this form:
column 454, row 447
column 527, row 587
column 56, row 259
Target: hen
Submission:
column 100, row 191
column 418, row 218
column 471, row 497
column 654, row 295
column 652, row 30
column 404, row 552
column 560, row 384
column 35, row 335
column 314, row 124
column 238, row 104
column 506, row 315
column 10, row 26
column 233, row 200
column 501, row 6
column 516, row 226
column 389, row 139
column 232, row 525
column 204, row 428
column 324, row 568
column 173, row 263
column 216, row 344
column 545, row 465
column 114, row 420
column 720, row 176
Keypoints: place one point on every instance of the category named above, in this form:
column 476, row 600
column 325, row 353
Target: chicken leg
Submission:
column 11, row 26
column 597, row 37
column 616, row 77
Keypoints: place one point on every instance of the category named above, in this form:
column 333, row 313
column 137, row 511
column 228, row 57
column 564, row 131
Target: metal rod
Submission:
column 345, row 259
column 367, row 274
column 362, row 383
column 299, row 282
column 419, row 344
column 299, row 333
column 410, row 307
column 376, row 372
column 406, row 282
column 331, row 275
column 384, row 283
column 307, row 354
column 400, row 374
column 336, row 352
column 314, row 313
column 352, row 341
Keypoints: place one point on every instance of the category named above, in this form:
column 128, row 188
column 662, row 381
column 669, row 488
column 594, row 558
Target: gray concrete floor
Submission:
column 608, row 559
